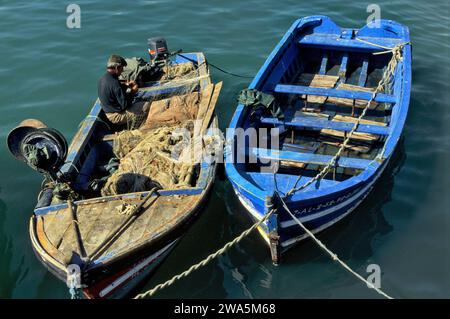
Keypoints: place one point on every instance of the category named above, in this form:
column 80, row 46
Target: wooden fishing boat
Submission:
column 115, row 250
column 322, row 77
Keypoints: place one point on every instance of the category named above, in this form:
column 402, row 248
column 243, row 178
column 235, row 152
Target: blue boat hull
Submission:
column 315, row 46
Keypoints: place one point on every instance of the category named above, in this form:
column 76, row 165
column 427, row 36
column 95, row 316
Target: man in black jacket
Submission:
column 116, row 98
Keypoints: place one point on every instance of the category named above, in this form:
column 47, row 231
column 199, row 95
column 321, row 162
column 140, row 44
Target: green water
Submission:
column 50, row 72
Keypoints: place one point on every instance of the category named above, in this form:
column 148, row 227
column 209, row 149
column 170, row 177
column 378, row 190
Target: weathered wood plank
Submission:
column 352, row 102
column 355, row 136
column 110, row 219
column 206, row 120
column 351, row 147
column 136, row 230
column 193, row 153
column 205, row 100
column 156, row 219
column 49, row 246
column 318, row 81
column 344, row 118
column 57, row 225
column 309, row 158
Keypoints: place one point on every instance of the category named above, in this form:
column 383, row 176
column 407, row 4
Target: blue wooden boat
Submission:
column 113, row 251
column 322, row 77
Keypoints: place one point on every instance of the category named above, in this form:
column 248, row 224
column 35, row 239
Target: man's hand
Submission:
column 133, row 86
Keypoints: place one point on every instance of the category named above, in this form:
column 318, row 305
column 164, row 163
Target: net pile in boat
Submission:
column 172, row 75
column 154, row 154
column 148, row 161
column 149, row 155
column 178, row 71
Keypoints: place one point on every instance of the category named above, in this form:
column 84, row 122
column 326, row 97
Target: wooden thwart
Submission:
column 338, row 123
column 310, row 158
column 337, row 93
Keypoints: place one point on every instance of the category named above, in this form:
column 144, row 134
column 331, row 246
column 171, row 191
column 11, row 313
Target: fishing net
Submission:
column 171, row 75
column 178, row 71
column 137, row 69
column 181, row 78
column 173, row 111
column 150, row 154
column 149, row 164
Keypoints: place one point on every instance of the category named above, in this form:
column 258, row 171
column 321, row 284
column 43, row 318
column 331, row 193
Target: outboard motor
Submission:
column 158, row 51
column 43, row 149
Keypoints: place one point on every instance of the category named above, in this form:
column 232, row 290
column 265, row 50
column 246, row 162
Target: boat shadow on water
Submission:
column 353, row 237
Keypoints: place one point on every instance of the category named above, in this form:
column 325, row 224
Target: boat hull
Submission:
column 124, row 276
column 316, row 217
column 114, row 265
column 308, row 73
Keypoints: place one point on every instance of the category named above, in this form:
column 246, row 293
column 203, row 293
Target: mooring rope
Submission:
column 333, row 255
column 205, row 261
column 387, row 75
column 218, row 68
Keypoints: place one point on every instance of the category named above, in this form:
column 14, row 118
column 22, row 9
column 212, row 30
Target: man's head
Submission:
column 115, row 64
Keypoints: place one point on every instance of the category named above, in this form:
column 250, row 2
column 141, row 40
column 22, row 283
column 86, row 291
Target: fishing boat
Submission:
column 105, row 246
column 319, row 84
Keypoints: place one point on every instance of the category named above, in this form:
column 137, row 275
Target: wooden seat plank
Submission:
column 318, row 123
column 339, row 93
column 310, row 158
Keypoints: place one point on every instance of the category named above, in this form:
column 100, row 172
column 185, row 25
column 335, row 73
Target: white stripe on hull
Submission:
column 331, row 210
column 134, row 271
column 292, row 241
column 257, row 215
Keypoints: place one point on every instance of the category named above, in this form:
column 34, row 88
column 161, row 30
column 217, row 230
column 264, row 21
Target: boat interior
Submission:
column 322, row 88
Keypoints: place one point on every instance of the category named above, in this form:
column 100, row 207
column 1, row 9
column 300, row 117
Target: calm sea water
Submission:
column 50, row 72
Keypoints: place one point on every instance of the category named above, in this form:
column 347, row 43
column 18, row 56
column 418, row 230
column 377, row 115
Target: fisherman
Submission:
column 116, row 98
